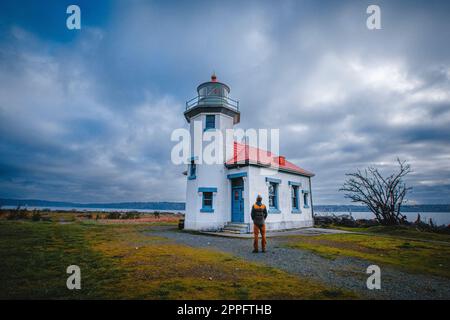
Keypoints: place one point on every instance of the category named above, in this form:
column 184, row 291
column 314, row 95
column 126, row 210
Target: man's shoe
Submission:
column 255, row 251
column 263, row 250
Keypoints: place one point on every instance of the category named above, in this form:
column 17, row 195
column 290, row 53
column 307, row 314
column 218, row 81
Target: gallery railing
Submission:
column 214, row 101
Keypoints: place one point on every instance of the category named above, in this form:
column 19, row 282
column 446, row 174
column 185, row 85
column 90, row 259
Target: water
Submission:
column 439, row 218
column 87, row 209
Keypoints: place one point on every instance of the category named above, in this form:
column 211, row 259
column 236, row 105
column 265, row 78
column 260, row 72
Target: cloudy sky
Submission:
column 86, row 115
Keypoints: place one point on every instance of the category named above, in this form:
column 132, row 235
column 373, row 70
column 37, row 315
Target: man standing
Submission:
column 259, row 215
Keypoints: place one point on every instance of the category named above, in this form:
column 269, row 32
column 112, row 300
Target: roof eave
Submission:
column 258, row 164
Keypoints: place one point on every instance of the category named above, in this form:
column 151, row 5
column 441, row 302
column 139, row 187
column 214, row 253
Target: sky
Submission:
column 86, row 115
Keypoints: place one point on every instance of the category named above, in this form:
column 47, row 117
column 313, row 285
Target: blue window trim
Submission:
column 192, row 175
column 209, row 116
column 210, row 129
column 192, row 169
column 237, row 175
column 297, row 208
column 275, row 209
column 273, row 180
column 305, row 193
column 203, row 190
column 294, row 183
column 207, row 189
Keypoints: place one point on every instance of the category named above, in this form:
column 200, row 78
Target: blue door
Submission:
column 237, row 205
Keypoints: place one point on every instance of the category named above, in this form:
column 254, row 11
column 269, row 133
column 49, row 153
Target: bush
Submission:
column 17, row 214
column 114, row 215
column 342, row 220
column 131, row 215
column 365, row 223
column 122, row 215
column 431, row 227
column 36, row 216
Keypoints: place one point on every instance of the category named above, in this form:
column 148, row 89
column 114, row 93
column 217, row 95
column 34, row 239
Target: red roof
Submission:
column 244, row 154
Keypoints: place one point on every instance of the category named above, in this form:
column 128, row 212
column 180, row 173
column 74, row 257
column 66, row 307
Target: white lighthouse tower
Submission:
column 207, row 196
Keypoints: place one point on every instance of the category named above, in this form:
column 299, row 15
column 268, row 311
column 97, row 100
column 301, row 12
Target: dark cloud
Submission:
column 87, row 115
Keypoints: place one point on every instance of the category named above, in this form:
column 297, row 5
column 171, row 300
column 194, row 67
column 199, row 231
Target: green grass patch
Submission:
column 35, row 256
column 399, row 231
column 120, row 261
column 410, row 255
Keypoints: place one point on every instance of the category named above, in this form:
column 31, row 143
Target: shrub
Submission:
column 131, row 215
column 36, row 216
column 114, row 215
column 18, row 214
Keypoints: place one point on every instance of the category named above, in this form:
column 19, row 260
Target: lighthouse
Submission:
column 219, row 194
column 210, row 111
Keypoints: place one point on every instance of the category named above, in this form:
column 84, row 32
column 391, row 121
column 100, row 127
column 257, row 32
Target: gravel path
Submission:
column 343, row 272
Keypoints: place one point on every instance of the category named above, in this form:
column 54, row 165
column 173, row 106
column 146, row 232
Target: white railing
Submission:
column 212, row 100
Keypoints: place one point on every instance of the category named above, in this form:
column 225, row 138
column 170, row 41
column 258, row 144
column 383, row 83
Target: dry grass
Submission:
column 123, row 262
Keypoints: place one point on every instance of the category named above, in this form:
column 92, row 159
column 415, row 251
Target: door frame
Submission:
column 242, row 216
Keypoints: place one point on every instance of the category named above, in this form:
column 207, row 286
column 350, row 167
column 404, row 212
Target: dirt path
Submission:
column 343, row 272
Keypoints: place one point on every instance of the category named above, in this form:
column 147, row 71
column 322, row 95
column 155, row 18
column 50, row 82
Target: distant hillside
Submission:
column 405, row 208
column 165, row 205
column 120, row 205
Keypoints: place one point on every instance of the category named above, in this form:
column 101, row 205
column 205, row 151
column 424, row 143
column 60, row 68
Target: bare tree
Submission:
column 383, row 195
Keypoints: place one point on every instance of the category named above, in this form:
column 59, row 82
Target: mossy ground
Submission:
column 399, row 232
column 120, row 261
column 418, row 256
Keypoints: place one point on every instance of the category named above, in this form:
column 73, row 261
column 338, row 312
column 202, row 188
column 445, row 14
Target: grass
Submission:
column 398, row 231
column 121, row 261
column 417, row 256
column 409, row 232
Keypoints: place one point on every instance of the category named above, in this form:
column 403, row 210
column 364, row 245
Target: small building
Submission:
column 219, row 196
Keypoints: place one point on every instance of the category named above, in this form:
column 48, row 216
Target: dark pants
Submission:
column 256, row 230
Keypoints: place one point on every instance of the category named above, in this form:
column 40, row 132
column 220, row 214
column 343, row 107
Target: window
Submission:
column 214, row 91
column 202, row 92
column 207, row 203
column 273, row 195
column 192, row 170
column 294, row 196
column 210, row 122
column 207, row 198
column 305, row 199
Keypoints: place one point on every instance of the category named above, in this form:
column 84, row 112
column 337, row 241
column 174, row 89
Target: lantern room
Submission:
column 212, row 96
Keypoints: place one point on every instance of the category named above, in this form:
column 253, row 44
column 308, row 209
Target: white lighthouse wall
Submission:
column 215, row 176
column 209, row 176
column 286, row 219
